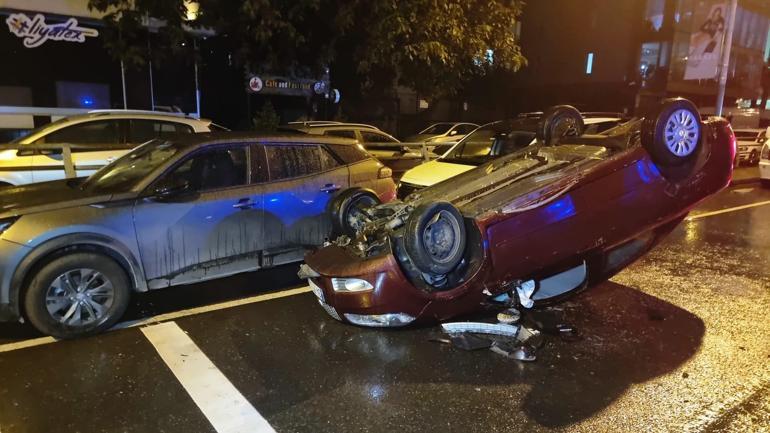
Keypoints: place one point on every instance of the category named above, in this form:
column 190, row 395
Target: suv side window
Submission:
column 328, row 161
column 212, row 169
column 92, row 132
column 288, row 161
column 373, row 137
column 348, row 153
column 341, row 133
column 143, row 130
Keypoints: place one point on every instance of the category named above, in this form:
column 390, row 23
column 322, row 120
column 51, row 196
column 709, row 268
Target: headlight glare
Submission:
column 351, row 285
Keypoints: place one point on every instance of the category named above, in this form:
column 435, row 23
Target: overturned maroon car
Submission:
column 530, row 228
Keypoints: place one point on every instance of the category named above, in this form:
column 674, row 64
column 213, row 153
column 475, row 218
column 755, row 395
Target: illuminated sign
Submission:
column 281, row 86
column 35, row 32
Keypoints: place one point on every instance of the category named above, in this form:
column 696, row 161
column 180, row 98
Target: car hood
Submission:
column 434, row 172
column 46, row 196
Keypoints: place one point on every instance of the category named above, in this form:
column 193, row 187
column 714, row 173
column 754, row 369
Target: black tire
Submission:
column 672, row 132
column 558, row 122
column 754, row 157
column 343, row 207
column 35, row 298
column 449, row 238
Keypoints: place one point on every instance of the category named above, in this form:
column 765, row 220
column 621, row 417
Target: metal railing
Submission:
column 425, row 149
column 63, row 149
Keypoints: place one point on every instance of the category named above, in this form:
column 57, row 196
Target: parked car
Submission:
column 105, row 135
column 381, row 145
column 484, row 144
column 764, row 159
column 529, row 228
column 443, row 133
column 173, row 212
column 749, row 143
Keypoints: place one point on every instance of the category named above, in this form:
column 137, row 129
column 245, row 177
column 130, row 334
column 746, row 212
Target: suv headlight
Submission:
column 6, row 223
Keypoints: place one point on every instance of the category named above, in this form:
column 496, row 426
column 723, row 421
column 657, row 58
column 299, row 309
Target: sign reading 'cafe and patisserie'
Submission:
column 35, row 31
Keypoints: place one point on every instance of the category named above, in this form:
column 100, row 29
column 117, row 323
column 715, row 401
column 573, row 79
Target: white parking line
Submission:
column 730, row 209
column 224, row 406
column 166, row 317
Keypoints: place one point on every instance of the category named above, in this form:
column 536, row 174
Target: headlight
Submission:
column 5, row 224
column 351, row 285
column 380, row 320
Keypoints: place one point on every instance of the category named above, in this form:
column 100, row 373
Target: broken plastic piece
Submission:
column 306, row 272
column 525, row 291
column 509, row 316
column 568, row 332
column 519, row 353
column 481, row 328
column 470, row 342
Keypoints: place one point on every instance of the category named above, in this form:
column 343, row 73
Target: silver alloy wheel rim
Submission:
column 79, row 297
column 681, row 133
column 441, row 237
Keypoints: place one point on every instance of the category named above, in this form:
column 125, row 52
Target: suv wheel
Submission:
column 77, row 295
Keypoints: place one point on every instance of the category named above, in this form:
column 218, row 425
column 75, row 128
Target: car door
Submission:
column 303, row 178
column 101, row 138
column 211, row 229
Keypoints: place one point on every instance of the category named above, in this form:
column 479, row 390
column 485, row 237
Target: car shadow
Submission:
column 627, row 337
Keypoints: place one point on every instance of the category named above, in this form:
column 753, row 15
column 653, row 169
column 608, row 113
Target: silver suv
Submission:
column 171, row 213
column 102, row 136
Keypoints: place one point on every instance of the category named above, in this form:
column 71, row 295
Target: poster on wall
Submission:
column 706, row 43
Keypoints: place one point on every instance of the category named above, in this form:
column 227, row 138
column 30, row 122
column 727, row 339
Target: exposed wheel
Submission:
column 435, row 238
column 558, row 122
column 346, row 210
column 672, row 132
column 754, row 157
column 77, row 295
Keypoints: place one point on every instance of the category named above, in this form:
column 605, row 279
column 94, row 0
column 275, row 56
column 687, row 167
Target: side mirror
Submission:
column 173, row 188
column 452, row 132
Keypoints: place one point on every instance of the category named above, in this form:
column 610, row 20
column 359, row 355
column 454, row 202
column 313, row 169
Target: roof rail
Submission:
column 121, row 111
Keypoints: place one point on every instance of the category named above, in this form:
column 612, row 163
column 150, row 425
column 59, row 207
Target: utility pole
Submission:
column 725, row 64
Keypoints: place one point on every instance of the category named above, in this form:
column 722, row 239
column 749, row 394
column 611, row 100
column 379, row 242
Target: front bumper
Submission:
column 764, row 169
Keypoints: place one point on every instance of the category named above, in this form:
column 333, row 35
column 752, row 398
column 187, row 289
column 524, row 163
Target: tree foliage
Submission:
column 432, row 46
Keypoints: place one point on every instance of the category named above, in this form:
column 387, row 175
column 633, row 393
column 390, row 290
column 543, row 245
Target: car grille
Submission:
column 404, row 189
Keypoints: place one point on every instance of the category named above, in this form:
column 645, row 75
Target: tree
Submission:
column 431, row 46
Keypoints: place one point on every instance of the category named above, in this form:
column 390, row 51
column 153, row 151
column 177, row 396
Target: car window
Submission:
column 465, row 129
column 288, row 161
column 341, row 133
column 437, row 129
column 143, row 130
column 348, row 153
column 374, row 137
column 93, row 132
column 211, row 169
column 328, row 161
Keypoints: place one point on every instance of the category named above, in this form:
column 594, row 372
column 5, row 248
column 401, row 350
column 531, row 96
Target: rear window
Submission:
column 348, row 153
column 285, row 162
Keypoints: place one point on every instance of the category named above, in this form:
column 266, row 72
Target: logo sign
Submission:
column 35, row 32
column 255, row 84
column 334, row 95
column 319, row 87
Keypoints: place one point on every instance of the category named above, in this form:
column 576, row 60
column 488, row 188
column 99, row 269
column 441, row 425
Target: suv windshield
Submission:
column 130, row 169
column 492, row 141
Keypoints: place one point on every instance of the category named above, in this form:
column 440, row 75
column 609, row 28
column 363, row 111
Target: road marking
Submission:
column 166, row 317
column 224, row 406
column 730, row 209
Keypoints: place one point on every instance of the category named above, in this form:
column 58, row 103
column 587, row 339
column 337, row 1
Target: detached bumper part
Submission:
column 380, row 320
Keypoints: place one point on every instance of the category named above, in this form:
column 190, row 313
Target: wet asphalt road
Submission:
column 680, row 341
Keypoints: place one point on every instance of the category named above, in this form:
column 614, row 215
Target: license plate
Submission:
column 317, row 290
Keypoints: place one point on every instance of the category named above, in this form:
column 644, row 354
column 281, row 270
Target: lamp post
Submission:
column 725, row 64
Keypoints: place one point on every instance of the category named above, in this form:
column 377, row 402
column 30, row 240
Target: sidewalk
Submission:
column 743, row 175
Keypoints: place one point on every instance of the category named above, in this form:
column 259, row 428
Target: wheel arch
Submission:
column 57, row 247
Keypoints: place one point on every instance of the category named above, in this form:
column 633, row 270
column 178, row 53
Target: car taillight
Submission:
column 384, row 173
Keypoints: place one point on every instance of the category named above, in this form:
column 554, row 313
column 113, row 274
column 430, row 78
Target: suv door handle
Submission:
column 243, row 204
column 330, row 187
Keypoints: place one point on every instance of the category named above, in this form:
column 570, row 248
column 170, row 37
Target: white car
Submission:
column 482, row 145
column 443, row 133
column 749, row 142
column 106, row 134
column 764, row 159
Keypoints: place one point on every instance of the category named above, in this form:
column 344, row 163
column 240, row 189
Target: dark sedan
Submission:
column 528, row 228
